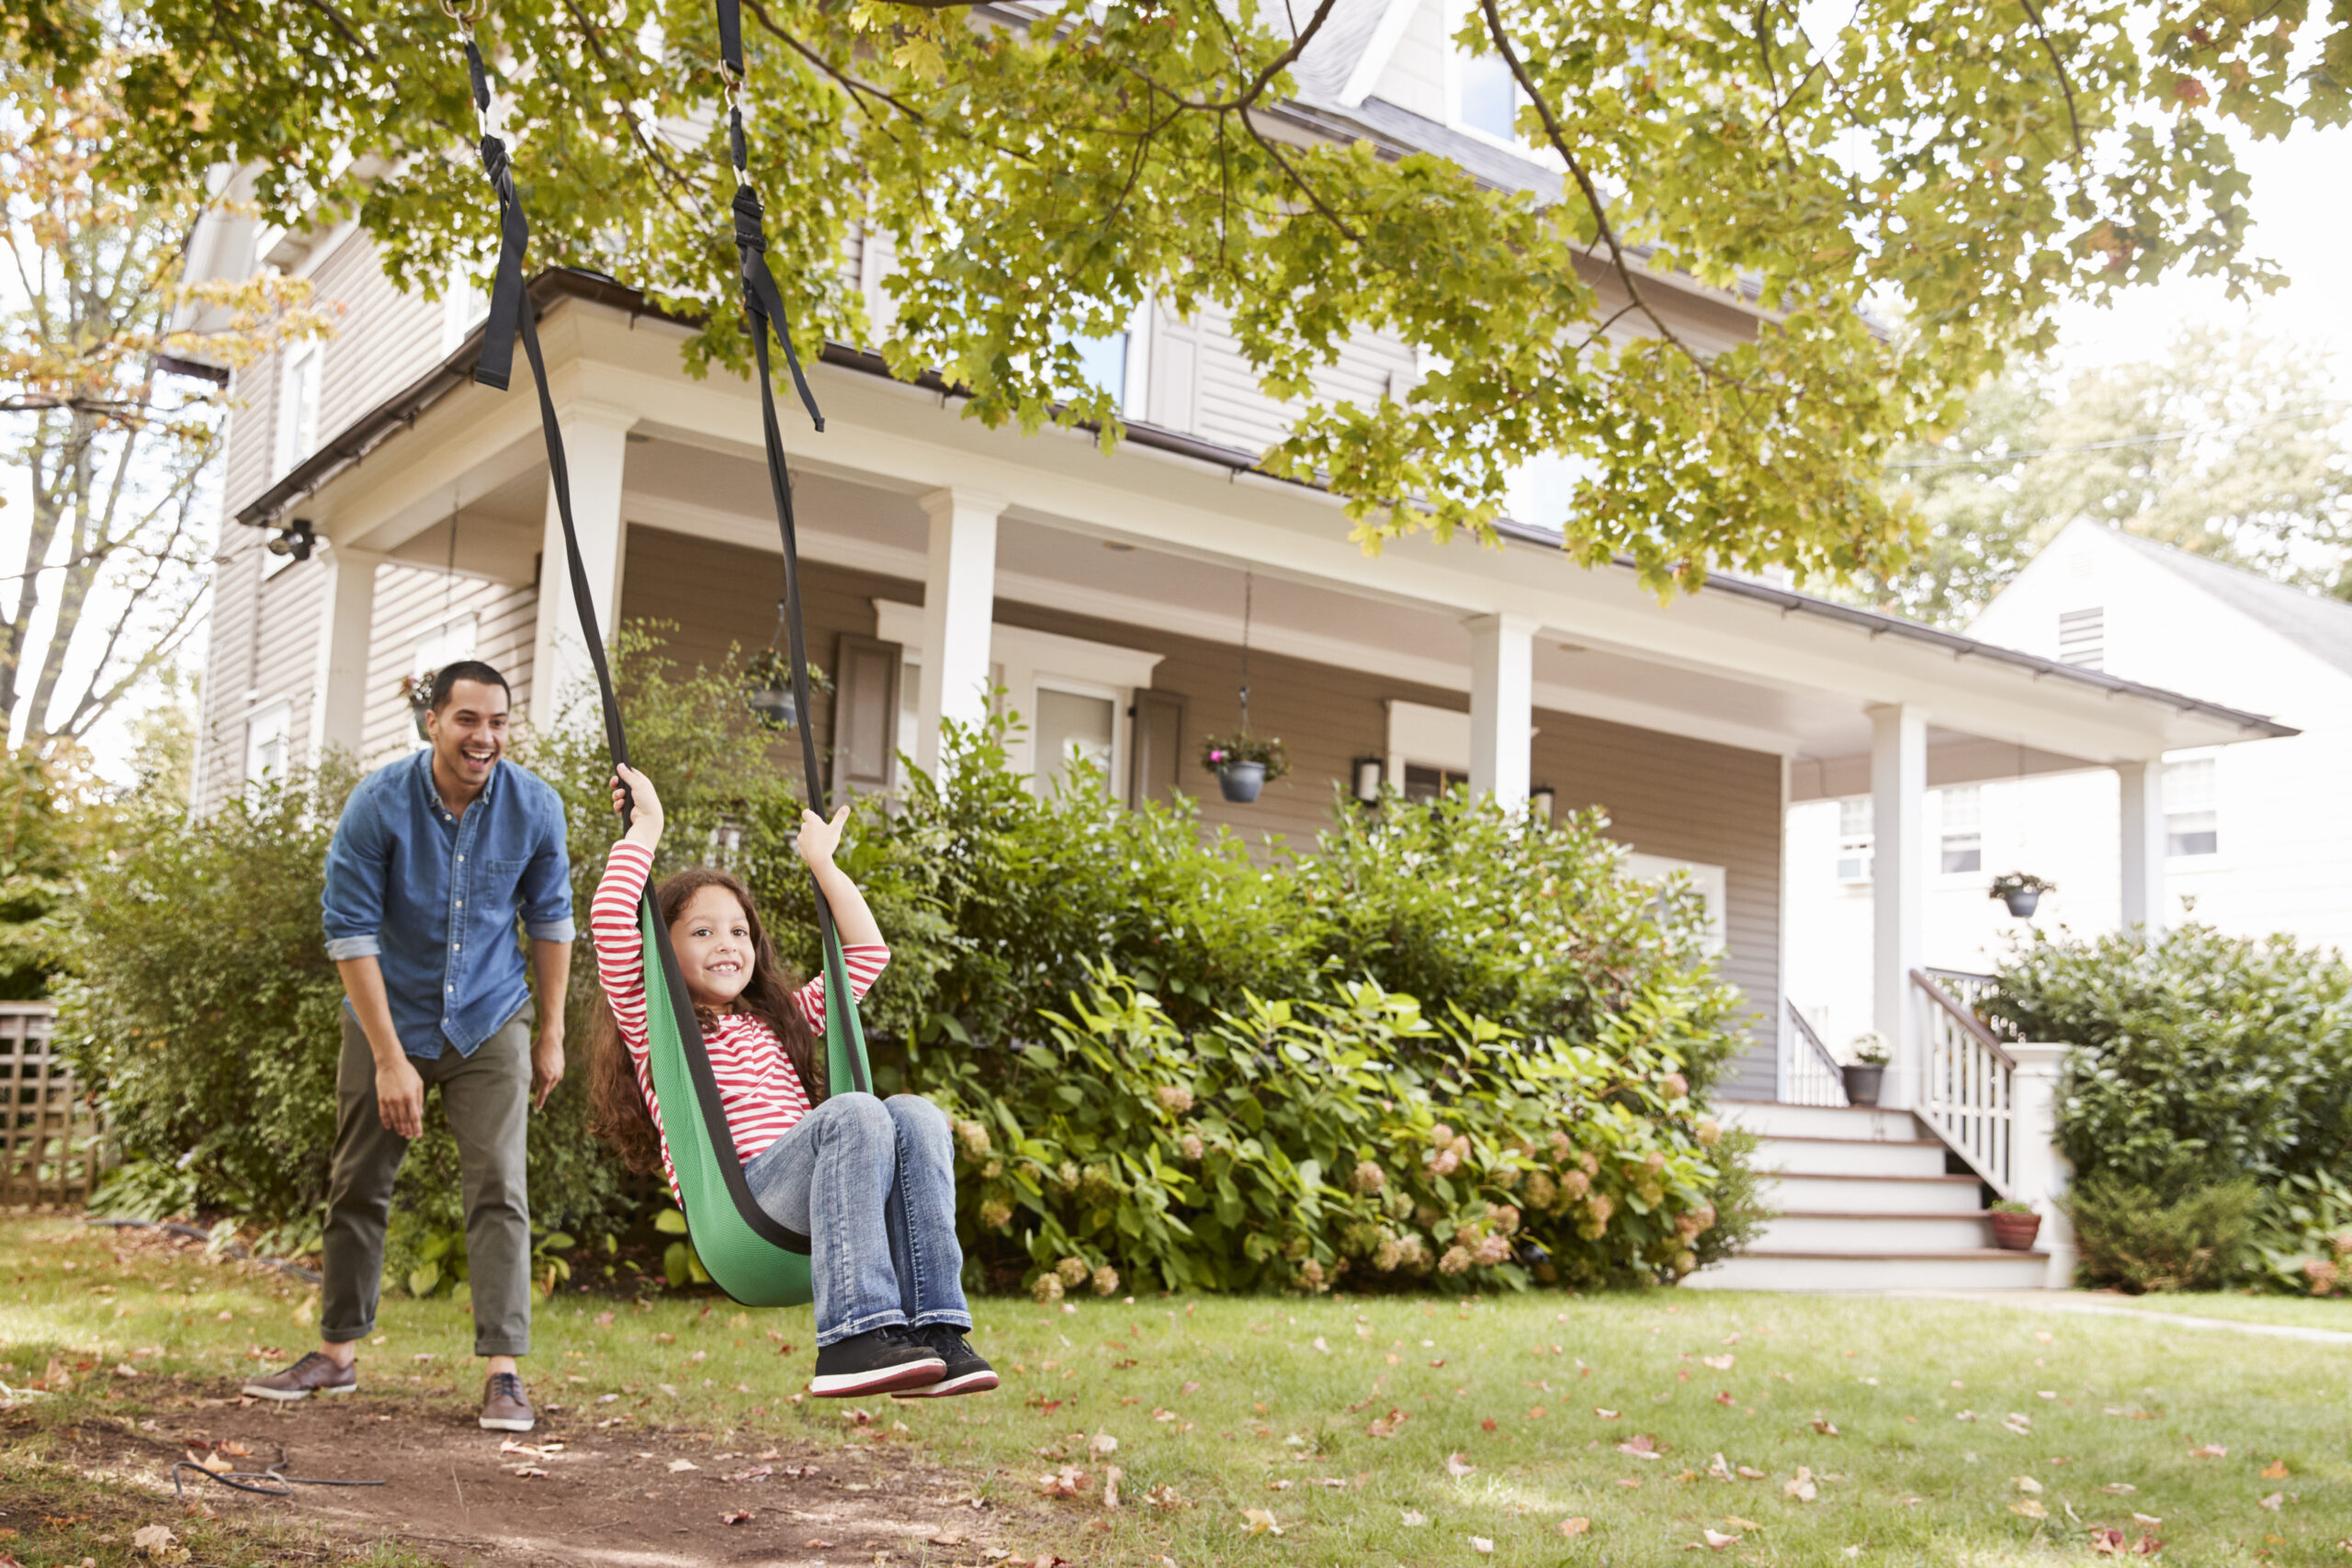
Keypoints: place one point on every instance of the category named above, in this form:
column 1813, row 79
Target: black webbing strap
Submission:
column 518, row 315
column 764, row 313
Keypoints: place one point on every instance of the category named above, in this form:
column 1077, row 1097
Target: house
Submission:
column 2252, row 840
column 1110, row 594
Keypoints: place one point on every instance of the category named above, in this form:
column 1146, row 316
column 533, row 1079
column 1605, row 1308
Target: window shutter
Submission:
column 866, row 714
column 1158, row 747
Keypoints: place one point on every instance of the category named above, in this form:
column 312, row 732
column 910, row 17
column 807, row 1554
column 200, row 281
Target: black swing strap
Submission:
column 519, row 316
column 764, row 313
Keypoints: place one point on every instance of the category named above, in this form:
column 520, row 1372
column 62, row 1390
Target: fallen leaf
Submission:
column 1412, row 1520
column 757, row 1472
column 2026, row 1483
column 1165, row 1496
column 1825, row 1426
column 2145, row 1519
column 2210, row 1450
column 945, row 1537
column 1111, row 1475
column 856, row 1417
column 1066, row 1481
column 1604, row 1415
column 2275, row 1502
column 1387, row 1426
column 735, row 1517
column 1735, row 1522
column 1280, row 1484
column 2275, row 1470
column 1190, row 1387
column 1458, row 1465
column 158, row 1542
column 1716, row 1541
column 1641, row 1446
column 1102, row 1443
column 1322, row 1345
column 1260, row 1521
column 525, row 1471
column 1724, row 1397
column 1481, row 1545
column 1718, row 1469
column 2031, row 1509
column 1802, row 1489
column 2119, row 1489
column 1576, row 1525
column 679, row 1465
column 1748, row 1472
column 1721, row 1363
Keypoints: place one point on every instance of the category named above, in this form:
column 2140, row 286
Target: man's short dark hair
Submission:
column 445, row 679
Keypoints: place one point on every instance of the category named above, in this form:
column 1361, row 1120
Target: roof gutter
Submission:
column 556, row 286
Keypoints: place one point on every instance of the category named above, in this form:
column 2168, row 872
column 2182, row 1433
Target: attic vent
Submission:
column 2082, row 637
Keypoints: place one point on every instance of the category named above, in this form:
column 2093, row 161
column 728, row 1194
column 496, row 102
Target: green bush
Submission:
column 1576, row 1017
column 2134, row 1237
column 1302, row 1144
column 2197, row 1057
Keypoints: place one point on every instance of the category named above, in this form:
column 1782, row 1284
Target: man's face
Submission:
column 469, row 731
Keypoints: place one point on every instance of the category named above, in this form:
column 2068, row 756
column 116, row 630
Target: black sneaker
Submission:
column 881, row 1361
column 965, row 1371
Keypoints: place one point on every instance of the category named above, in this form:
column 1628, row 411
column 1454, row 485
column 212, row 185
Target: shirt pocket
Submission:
column 493, row 891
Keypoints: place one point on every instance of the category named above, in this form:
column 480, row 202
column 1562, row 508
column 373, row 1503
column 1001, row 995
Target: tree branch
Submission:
column 2065, row 82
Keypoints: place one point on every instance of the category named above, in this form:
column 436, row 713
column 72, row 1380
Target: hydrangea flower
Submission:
column 1049, row 1287
column 1073, row 1271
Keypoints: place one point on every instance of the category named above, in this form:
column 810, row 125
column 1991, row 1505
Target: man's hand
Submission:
column 547, row 1064
column 400, row 1098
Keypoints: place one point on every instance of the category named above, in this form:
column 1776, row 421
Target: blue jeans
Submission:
column 871, row 1184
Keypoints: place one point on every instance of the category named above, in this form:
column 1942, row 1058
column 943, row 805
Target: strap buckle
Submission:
column 465, row 13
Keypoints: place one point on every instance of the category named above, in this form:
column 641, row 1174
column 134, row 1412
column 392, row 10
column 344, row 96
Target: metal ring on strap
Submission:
column 466, row 11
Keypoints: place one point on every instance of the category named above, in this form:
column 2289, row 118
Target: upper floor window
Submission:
column 1854, row 839
column 1488, row 97
column 2192, row 823
column 1963, row 842
column 1118, row 362
column 297, row 405
column 2082, row 637
column 463, row 308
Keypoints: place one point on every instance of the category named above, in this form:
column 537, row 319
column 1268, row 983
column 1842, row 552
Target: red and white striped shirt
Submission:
column 763, row 1095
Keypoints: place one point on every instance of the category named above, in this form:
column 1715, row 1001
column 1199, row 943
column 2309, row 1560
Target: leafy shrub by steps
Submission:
column 2203, row 1065
column 206, row 1012
column 1307, row 1144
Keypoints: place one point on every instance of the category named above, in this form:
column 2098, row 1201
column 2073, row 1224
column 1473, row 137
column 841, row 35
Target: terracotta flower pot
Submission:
column 2022, row 902
column 2015, row 1233
column 1241, row 781
column 1862, row 1080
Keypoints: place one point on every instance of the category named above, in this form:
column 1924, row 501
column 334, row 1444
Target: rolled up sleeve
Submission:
column 352, row 905
column 544, row 891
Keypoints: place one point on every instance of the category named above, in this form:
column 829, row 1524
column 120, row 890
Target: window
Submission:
column 1963, row 830
column 1118, row 363
column 1071, row 728
column 1708, row 881
column 2082, row 637
column 297, row 406
column 1854, row 839
column 1425, row 784
column 266, row 744
column 463, row 308
column 2193, row 826
column 1488, row 95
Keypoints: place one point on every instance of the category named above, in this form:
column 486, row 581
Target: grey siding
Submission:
column 411, row 604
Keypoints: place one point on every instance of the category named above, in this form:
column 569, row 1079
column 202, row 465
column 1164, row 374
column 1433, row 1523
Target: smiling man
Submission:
column 435, row 859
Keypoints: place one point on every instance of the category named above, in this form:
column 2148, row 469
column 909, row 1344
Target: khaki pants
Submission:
column 487, row 1097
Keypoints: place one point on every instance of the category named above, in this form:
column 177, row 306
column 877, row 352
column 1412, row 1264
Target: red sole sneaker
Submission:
column 882, row 1380
column 948, row 1388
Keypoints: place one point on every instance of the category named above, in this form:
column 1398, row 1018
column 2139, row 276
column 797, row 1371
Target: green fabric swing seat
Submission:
column 746, row 1251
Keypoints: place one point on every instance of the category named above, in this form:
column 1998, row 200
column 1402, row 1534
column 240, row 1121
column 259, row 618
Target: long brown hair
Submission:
column 617, row 1110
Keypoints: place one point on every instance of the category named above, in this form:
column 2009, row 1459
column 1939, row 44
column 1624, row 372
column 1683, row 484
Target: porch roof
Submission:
column 1737, row 648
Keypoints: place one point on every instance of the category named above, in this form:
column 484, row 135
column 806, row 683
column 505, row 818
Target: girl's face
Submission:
column 713, row 939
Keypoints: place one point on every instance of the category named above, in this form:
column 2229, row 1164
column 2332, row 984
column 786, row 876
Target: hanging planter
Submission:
column 416, row 691
column 767, row 689
column 1243, row 765
column 2021, row 891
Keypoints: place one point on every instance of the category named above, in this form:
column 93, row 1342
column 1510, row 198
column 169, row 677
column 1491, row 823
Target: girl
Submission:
column 870, row 1182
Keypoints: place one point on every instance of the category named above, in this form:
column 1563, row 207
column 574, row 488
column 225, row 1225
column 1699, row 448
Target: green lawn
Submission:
column 2304, row 1312
column 1919, row 1423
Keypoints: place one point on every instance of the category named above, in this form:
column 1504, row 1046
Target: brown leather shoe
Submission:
column 314, row 1373
column 504, row 1406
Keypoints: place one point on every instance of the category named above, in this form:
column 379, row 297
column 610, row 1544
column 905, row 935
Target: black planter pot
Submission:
column 1241, row 781
column 416, row 712
column 2022, row 903
column 1862, row 1082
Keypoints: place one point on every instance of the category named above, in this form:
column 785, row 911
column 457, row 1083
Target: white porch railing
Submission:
column 1809, row 1074
column 1968, row 1091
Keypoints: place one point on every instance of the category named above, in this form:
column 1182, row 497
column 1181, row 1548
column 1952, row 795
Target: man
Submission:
column 434, row 859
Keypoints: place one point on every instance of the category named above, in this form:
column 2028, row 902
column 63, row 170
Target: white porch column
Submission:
column 595, row 445
column 1898, row 892
column 2039, row 1174
column 1502, row 706
column 2142, row 784
column 959, row 603
column 339, row 691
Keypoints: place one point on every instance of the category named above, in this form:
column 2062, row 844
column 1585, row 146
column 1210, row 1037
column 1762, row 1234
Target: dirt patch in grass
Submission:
column 568, row 1493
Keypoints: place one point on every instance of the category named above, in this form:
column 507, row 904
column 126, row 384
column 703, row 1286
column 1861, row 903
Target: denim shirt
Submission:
column 433, row 897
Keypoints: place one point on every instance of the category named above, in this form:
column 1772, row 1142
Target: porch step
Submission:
column 1850, row 1156
column 1868, row 1123
column 1980, row 1269
column 1875, row 1234
column 1862, row 1194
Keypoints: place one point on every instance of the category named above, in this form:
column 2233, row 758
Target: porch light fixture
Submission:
column 295, row 540
column 1542, row 801
column 1368, row 774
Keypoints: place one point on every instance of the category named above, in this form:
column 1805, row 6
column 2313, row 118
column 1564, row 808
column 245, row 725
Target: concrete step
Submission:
column 1823, row 1121
column 1871, row 1234
column 1873, row 1194
column 1964, row 1270
column 1850, row 1156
